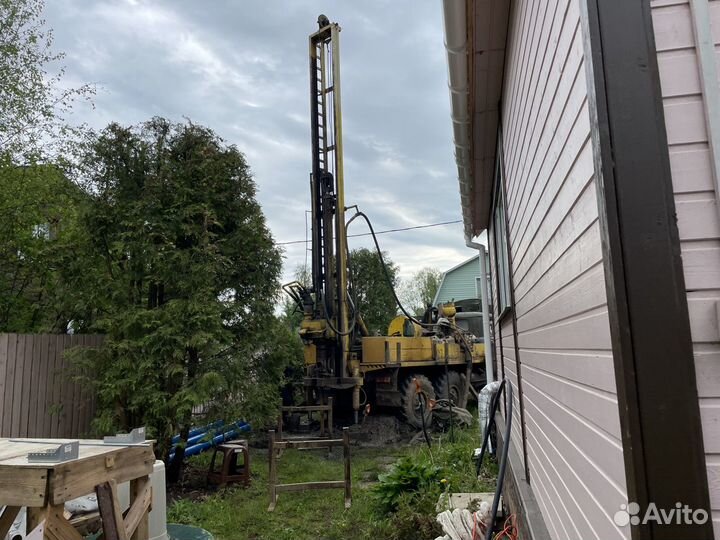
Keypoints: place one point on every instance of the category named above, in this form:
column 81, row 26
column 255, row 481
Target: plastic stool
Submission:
column 229, row 471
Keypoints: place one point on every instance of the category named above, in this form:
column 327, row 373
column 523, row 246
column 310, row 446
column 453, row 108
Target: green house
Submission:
column 459, row 283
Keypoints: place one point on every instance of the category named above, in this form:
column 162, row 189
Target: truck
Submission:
column 420, row 360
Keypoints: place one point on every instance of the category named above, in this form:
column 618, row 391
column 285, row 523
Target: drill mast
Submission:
column 329, row 241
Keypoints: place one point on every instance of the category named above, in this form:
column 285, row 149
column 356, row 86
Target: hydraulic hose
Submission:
column 404, row 311
column 357, row 214
column 506, row 388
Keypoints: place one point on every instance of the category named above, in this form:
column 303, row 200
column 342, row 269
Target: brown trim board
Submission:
column 647, row 303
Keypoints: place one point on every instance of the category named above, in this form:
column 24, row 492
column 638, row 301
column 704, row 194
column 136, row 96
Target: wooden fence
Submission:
column 38, row 396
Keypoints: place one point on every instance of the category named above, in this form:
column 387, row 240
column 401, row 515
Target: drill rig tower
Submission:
column 415, row 360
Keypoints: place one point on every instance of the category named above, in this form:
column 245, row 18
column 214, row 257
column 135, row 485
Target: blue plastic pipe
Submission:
column 233, row 433
column 194, row 432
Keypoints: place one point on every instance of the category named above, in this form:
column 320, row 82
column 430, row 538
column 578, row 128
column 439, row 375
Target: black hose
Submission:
column 405, row 312
column 505, row 388
column 358, row 213
column 422, row 419
column 449, row 398
column 330, row 324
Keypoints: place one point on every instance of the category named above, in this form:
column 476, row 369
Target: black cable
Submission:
column 506, row 389
column 447, row 381
column 386, row 231
column 422, row 417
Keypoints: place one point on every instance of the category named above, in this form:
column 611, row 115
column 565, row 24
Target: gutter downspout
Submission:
column 489, row 370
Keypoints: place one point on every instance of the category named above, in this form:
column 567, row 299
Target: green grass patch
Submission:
column 238, row 513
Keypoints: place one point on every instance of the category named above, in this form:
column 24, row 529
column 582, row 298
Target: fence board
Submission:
column 56, row 383
column 39, row 396
column 3, row 374
column 10, row 383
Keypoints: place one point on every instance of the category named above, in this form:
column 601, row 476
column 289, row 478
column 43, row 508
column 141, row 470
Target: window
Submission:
column 500, row 240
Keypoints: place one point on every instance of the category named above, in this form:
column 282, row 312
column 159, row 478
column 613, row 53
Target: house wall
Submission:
column 697, row 205
column 574, row 451
column 459, row 283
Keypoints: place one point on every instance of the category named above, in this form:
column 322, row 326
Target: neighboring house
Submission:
column 459, row 283
column 587, row 139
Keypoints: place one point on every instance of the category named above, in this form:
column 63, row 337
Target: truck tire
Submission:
column 456, row 383
column 411, row 401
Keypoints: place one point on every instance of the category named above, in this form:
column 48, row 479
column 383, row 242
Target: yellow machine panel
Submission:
column 394, row 351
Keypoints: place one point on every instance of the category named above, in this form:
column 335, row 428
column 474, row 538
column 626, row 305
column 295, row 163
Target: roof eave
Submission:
column 475, row 44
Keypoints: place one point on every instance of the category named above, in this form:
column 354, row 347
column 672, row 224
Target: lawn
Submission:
column 239, row 514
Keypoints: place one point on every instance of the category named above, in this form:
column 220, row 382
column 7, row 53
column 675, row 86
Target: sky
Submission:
column 241, row 68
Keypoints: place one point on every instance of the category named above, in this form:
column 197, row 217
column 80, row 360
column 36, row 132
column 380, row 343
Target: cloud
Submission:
column 241, row 68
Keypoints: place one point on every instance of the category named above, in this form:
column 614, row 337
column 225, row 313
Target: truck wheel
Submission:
column 456, row 383
column 413, row 402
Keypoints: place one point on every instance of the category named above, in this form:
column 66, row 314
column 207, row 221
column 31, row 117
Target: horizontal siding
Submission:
column 459, row 283
column 696, row 205
column 563, row 334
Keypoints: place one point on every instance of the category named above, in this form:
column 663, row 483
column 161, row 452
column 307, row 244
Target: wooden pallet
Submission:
column 45, row 487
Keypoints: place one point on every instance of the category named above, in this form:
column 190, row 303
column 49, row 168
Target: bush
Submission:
column 407, row 478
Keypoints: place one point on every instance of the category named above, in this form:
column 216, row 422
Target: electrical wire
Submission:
column 385, row 231
column 509, row 530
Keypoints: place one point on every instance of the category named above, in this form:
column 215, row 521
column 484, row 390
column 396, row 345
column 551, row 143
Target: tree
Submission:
column 292, row 314
column 419, row 291
column 44, row 257
column 370, row 291
column 33, row 101
column 190, row 276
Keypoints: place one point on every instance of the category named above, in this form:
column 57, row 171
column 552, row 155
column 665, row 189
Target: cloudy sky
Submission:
column 241, row 68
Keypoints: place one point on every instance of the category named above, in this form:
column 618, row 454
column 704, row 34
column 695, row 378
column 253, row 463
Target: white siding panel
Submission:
column 575, row 261
column 685, row 79
column 590, row 368
column 691, row 168
column 673, row 27
column 701, row 265
column 697, row 216
column 571, row 416
column 685, row 120
column 696, row 206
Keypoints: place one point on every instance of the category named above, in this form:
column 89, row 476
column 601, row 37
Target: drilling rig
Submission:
column 418, row 361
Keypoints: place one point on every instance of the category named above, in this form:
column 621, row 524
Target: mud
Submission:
column 381, row 430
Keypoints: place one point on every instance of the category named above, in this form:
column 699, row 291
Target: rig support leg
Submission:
column 356, row 402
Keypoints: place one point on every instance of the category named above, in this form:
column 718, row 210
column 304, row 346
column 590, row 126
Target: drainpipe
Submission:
column 485, row 310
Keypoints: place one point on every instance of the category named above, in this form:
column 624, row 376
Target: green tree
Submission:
column 190, row 277
column 44, row 256
column 419, row 291
column 34, row 102
column 292, row 313
column 370, row 290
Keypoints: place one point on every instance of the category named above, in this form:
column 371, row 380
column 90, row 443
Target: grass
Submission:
column 238, row 513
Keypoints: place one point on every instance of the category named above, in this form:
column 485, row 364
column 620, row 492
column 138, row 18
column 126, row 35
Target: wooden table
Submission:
column 44, row 487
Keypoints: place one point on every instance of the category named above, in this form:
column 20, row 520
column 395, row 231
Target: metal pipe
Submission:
column 482, row 258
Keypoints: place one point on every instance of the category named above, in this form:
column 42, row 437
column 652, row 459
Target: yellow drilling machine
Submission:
column 419, row 361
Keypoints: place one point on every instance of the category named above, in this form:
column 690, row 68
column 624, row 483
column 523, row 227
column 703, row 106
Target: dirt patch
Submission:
column 381, row 430
column 192, row 487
